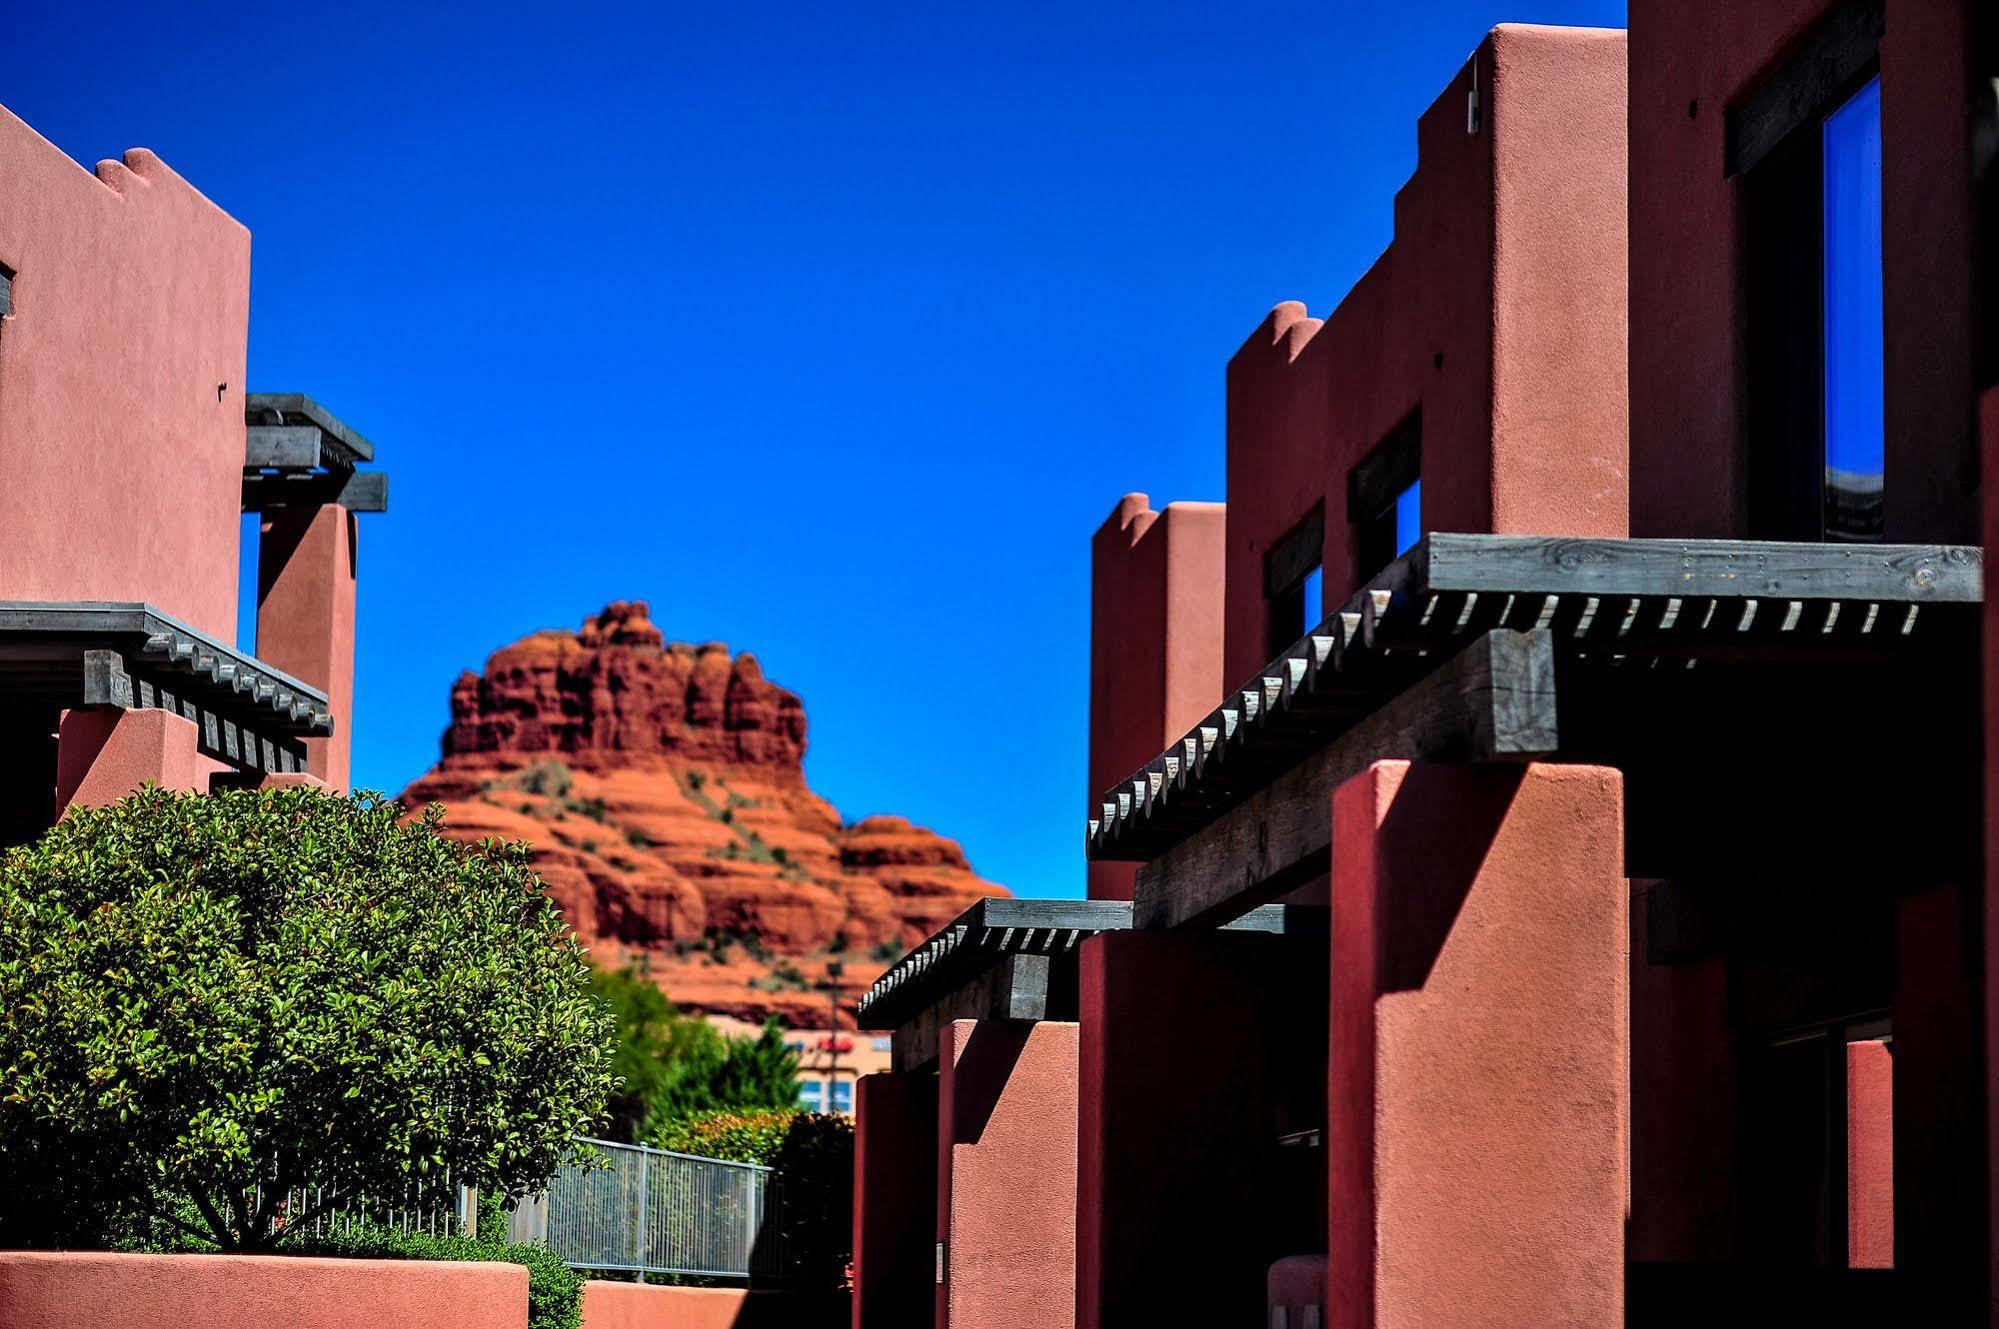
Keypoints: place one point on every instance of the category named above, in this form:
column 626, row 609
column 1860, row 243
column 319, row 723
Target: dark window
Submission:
column 1385, row 498
column 6, row 290
column 1806, row 147
column 1293, row 582
column 1818, row 1162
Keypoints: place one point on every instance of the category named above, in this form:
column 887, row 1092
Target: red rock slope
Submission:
column 661, row 786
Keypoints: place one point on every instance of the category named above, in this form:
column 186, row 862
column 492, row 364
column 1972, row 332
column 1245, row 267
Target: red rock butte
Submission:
column 662, row 787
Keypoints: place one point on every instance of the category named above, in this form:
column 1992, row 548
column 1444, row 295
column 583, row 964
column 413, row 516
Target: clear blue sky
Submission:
column 833, row 334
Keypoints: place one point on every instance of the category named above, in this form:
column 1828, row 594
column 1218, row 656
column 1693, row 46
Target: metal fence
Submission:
column 441, row 1209
column 652, row 1211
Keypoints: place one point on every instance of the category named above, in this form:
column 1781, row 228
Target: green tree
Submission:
column 209, row 1001
column 676, row 1066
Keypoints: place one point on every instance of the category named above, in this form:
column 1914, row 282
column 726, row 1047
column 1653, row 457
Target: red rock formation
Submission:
column 662, row 788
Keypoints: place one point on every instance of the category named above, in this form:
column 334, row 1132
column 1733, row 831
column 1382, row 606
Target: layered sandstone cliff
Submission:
column 662, row 787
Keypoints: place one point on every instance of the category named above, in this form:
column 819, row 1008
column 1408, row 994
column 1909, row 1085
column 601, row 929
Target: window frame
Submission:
column 1375, row 488
column 1775, row 155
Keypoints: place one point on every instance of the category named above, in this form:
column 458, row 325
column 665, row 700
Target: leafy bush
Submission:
column 813, row 1153
column 675, row 1066
column 555, row 1291
column 206, row 1001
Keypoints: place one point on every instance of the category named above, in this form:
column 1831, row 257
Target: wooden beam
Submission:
column 1015, row 989
column 1723, row 569
column 357, row 491
column 1493, row 701
column 281, row 448
column 1833, row 60
column 105, row 682
column 277, row 408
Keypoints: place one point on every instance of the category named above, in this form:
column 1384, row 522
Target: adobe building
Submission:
column 129, row 448
column 1586, row 855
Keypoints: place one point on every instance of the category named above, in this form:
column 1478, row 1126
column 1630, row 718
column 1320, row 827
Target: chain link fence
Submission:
column 650, row 1211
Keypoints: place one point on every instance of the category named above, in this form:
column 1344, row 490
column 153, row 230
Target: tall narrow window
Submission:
column 1805, row 149
column 1385, row 498
column 1855, row 359
column 1294, row 582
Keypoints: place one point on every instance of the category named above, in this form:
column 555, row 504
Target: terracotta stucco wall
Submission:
column 1498, row 312
column 1690, row 62
column 1155, row 642
column 63, row 1290
column 121, row 384
column 1006, row 1174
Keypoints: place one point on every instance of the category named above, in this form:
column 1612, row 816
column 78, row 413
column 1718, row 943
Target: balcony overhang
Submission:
column 299, row 454
column 1005, row 959
column 1459, row 652
column 76, row 654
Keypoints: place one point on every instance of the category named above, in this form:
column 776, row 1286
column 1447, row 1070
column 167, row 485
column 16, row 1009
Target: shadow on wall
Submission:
column 1458, row 825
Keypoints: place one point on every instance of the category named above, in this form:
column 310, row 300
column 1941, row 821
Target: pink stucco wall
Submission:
column 1498, row 311
column 1155, row 642
column 306, row 564
column 1476, row 1097
column 103, row 755
column 1689, row 62
column 121, row 384
column 1006, row 1175
column 1870, row 1155
column 609, row 1305
column 63, row 1290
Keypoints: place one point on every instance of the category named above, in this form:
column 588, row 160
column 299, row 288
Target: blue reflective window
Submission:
column 1408, row 518
column 811, row 1094
column 843, row 1096
column 1315, row 597
column 1855, row 360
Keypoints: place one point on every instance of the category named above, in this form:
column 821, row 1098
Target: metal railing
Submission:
column 641, row 1210
column 439, row 1210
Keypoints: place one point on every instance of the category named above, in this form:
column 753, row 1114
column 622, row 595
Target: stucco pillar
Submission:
column 1155, row 643
column 1870, row 1155
column 1006, row 1175
column 1475, row 1115
column 103, row 755
column 895, row 1200
column 1199, row 1050
column 305, row 617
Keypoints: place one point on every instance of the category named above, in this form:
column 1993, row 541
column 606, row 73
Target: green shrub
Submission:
column 555, row 1291
column 206, row 1001
column 813, row 1153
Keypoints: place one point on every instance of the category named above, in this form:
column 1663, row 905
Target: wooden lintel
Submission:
column 357, row 491
column 1014, row 989
column 105, row 682
column 282, row 447
column 1492, row 701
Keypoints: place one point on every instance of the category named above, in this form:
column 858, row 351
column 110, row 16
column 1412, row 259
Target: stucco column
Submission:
column 1199, row 1050
column 1006, row 1175
column 103, row 755
column 1870, row 1155
column 1476, row 1096
column 305, row 617
column 895, row 1199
